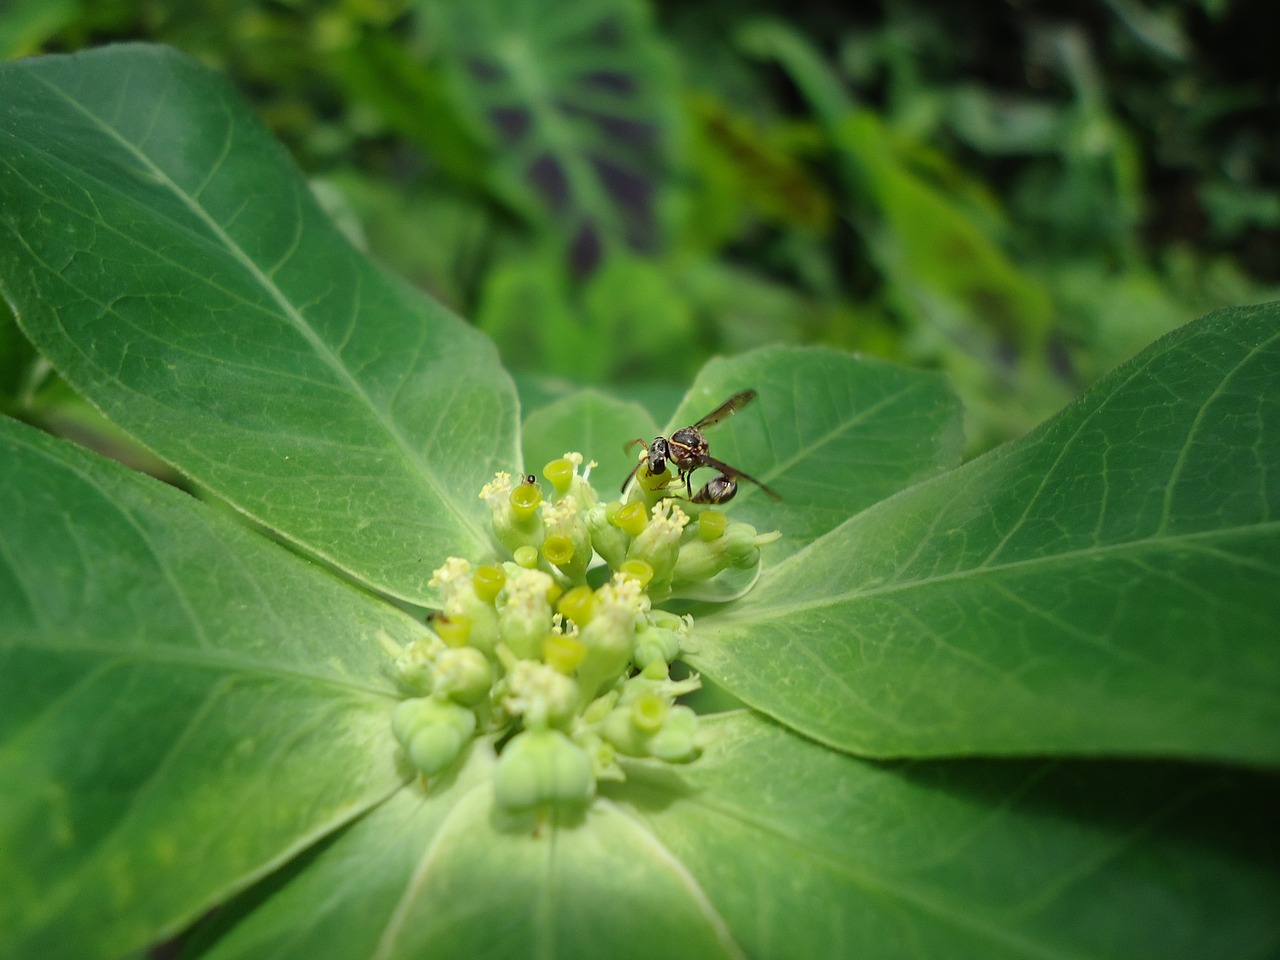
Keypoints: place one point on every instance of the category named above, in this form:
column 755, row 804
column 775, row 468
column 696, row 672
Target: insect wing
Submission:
column 728, row 408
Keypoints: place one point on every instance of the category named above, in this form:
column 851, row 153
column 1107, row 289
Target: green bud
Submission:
column 463, row 674
column 743, row 543
column 470, row 619
column 699, row 560
column 603, row 758
column 568, row 541
column 542, row 768
column 650, row 726
column 563, row 474
column 415, row 664
column 676, row 742
column 610, row 636
column 433, row 732
column 514, row 512
column 524, row 612
column 658, row 544
column 606, row 538
column 539, row 693
column 654, row 644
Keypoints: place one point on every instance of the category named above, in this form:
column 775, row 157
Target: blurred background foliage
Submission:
column 1021, row 194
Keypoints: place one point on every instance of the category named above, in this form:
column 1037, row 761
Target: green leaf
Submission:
column 577, row 102
column 592, row 423
column 1108, row 584
column 185, row 704
column 164, row 254
column 433, row 875
column 832, row 433
column 771, row 846
column 804, row 852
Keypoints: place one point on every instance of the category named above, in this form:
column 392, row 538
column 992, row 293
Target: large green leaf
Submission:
column 1108, row 584
column 162, row 251
column 773, row 847
column 184, row 703
column 832, row 433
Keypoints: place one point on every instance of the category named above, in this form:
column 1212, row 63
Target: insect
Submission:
column 687, row 449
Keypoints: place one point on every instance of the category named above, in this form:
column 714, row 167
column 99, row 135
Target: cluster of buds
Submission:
column 558, row 653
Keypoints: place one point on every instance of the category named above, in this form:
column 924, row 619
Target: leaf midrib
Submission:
column 745, row 610
column 321, row 349
column 214, row 660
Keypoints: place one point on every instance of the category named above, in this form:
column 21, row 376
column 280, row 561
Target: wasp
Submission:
column 687, row 450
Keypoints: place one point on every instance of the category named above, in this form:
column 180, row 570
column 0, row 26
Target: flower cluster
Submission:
column 558, row 653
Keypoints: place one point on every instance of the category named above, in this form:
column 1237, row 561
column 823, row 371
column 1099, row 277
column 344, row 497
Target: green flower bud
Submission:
column 743, row 543
column 610, row 636
column 567, row 536
column 539, row 693
column 602, row 756
column 606, row 538
column 699, row 560
column 658, row 544
column 415, row 664
column 563, row 474
column 650, row 726
column 542, row 768
column 469, row 619
column 464, row 675
column 514, row 512
column 524, row 612
column 649, row 713
column 433, row 732
column 676, row 741
column 654, row 644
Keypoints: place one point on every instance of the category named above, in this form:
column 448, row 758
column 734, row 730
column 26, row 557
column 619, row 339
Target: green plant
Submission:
column 1020, row 707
